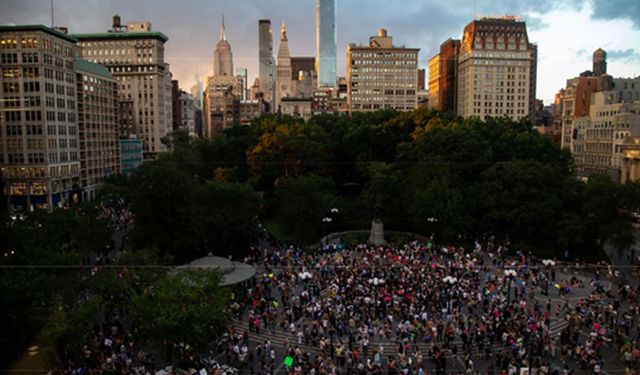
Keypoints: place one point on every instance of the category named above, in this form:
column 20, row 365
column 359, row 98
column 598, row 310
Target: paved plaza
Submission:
column 423, row 308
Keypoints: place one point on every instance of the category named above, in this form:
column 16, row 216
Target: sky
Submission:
column 566, row 31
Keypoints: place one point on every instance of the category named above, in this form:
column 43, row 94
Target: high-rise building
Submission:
column 496, row 69
column 381, row 75
column 187, row 113
column 421, row 79
column 576, row 96
column 243, row 73
column 222, row 56
column 434, row 82
column 196, row 91
column 223, row 91
column 283, row 75
column 98, row 126
column 443, row 74
column 614, row 115
column 266, row 68
column 221, row 107
column 175, row 104
column 134, row 54
column 326, row 42
column 39, row 150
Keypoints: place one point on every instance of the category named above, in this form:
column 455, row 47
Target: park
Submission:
column 494, row 257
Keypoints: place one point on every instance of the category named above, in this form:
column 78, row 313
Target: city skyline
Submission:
column 566, row 33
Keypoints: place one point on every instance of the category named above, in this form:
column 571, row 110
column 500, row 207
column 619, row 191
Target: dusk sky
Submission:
column 566, row 31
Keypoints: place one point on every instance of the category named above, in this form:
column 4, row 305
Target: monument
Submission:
column 377, row 233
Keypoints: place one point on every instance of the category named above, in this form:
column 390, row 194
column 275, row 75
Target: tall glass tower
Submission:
column 326, row 42
column 266, row 67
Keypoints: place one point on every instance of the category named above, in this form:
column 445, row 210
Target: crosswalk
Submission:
column 280, row 339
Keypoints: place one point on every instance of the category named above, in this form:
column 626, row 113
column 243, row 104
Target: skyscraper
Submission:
column 134, row 54
column 266, row 62
column 496, row 69
column 367, row 89
column 283, row 76
column 326, row 42
column 222, row 56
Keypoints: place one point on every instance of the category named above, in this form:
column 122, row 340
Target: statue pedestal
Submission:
column 377, row 233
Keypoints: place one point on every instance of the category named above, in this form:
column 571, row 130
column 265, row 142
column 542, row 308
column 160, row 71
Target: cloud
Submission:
column 193, row 28
column 617, row 9
column 629, row 55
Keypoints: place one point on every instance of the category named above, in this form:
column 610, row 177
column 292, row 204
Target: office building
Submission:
column 443, row 77
column 186, row 103
column 175, row 104
column 297, row 107
column 130, row 154
column 496, row 69
column 223, row 91
column 98, row 126
column 614, row 115
column 326, row 42
column 250, row 110
column 222, row 55
column 243, row 74
column 381, row 75
column 283, row 69
column 576, row 96
column 196, row 91
column 134, row 54
column 434, row 82
column 421, row 79
column 266, row 68
column 39, row 150
column 221, row 105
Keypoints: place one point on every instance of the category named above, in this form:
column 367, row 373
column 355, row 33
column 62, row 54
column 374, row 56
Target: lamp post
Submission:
column 509, row 275
column 548, row 263
column 432, row 220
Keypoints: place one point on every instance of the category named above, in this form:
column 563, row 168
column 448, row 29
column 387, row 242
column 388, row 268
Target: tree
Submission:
column 380, row 197
column 301, row 204
column 163, row 198
column 227, row 213
column 187, row 309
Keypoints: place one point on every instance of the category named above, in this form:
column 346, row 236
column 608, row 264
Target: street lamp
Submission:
column 548, row 263
column 509, row 275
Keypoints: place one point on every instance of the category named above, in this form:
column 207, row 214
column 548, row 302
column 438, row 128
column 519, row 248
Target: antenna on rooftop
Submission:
column 53, row 25
column 475, row 10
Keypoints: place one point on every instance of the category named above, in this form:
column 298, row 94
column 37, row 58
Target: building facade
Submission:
column 221, row 105
column 302, row 64
column 134, row 54
column 266, row 67
column 39, row 149
column 614, row 116
column 381, row 75
column 130, row 155
column 496, row 69
column 187, row 107
column 98, row 126
column 434, row 82
column 326, row 42
column 297, row 107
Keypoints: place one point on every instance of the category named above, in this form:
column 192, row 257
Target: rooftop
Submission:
column 89, row 67
column 122, row 35
column 43, row 28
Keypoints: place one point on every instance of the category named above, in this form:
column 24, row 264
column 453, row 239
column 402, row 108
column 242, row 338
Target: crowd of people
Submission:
column 421, row 308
